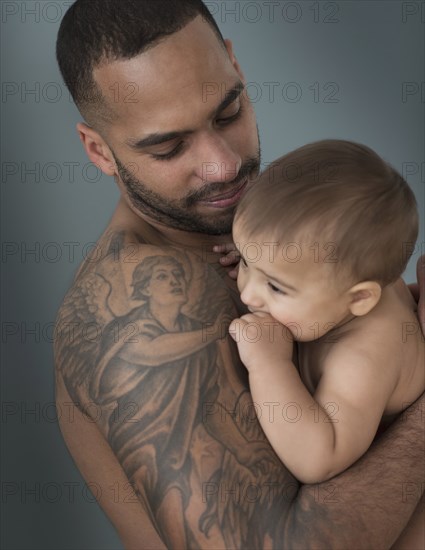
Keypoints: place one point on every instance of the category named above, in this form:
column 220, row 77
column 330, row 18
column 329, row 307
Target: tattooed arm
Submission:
column 187, row 444
column 105, row 476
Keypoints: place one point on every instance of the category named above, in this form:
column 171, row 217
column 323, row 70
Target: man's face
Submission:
column 185, row 140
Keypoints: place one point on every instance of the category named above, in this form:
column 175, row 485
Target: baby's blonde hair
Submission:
column 340, row 193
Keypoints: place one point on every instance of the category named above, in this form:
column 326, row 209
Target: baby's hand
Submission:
column 230, row 259
column 263, row 342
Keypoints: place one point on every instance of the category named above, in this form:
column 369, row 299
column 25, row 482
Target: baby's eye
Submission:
column 274, row 288
column 243, row 262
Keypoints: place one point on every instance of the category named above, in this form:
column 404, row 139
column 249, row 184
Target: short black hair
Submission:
column 94, row 31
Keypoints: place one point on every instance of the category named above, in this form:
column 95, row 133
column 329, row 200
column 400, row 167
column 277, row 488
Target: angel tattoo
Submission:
column 151, row 371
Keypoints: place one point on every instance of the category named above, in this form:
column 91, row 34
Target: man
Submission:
column 202, row 472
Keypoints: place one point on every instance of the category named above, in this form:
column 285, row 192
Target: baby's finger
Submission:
column 250, row 318
column 234, row 329
column 238, row 326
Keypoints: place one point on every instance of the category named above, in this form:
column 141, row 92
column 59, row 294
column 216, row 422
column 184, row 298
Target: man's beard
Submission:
column 178, row 214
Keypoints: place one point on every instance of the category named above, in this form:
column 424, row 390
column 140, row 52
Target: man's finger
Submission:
column 224, row 247
column 233, row 274
column 231, row 258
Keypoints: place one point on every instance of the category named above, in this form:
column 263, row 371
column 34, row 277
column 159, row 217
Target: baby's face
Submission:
column 289, row 282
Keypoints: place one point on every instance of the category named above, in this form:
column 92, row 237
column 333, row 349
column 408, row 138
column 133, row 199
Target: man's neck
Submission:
column 159, row 234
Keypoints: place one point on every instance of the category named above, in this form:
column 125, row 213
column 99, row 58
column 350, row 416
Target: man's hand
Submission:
column 262, row 341
column 230, row 259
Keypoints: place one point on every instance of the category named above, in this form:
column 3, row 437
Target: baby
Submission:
column 323, row 237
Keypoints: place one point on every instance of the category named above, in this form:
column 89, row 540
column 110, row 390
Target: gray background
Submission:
column 341, row 69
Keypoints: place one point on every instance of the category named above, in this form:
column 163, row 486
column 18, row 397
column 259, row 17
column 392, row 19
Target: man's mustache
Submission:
column 252, row 165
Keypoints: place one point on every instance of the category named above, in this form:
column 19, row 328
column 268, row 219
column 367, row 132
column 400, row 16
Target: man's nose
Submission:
column 220, row 162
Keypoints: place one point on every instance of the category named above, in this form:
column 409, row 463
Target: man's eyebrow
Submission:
column 157, row 139
column 230, row 97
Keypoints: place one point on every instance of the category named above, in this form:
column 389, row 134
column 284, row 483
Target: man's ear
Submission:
column 96, row 148
column 229, row 48
column 364, row 297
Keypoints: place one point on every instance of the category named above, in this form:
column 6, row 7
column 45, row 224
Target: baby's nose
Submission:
column 251, row 297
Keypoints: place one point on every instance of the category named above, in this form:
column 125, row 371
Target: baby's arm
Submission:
column 315, row 436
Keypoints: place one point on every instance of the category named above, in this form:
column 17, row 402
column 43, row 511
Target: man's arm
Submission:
column 370, row 503
column 105, row 476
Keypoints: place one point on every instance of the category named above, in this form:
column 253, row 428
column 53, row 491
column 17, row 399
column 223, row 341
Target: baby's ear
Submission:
column 364, row 297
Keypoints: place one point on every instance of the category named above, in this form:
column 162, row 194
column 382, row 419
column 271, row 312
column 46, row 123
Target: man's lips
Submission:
column 226, row 199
